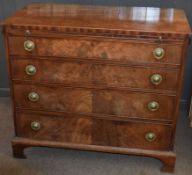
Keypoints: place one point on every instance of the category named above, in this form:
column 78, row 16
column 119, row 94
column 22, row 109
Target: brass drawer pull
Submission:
column 33, row 97
column 158, row 53
column 150, row 136
column 30, row 70
column 35, row 125
column 29, row 45
column 156, row 79
column 153, row 106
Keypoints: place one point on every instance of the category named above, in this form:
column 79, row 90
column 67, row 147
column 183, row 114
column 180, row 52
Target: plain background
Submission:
column 8, row 7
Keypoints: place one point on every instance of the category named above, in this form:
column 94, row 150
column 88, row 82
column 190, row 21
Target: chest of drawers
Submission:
column 97, row 78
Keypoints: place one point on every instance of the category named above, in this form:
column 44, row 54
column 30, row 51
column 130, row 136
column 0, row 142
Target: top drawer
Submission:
column 108, row 49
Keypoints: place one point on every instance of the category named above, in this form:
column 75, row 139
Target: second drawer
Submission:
column 76, row 73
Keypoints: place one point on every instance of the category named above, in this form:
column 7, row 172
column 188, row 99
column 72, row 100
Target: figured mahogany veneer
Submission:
column 109, row 102
column 90, row 131
column 108, row 49
column 81, row 78
column 82, row 73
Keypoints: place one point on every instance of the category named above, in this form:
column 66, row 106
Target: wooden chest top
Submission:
column 101, row 19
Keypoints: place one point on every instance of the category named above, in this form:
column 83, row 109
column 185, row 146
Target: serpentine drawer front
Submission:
column 97, row 78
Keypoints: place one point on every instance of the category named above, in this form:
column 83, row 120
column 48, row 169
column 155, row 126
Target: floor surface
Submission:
column 47, row 161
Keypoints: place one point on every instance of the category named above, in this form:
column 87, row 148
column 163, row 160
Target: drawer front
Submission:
column 92, row 101
column 94, row 74
column 117, row 50
column 91, row 131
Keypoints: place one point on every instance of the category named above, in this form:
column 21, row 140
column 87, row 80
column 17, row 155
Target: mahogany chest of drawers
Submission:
column 97, row 78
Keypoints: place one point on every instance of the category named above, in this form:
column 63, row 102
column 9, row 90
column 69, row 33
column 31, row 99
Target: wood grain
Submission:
column 80, row 100
column 102, row 19
column 91, row 131
column 93, row 67
column 75, row 47
column 75, row 73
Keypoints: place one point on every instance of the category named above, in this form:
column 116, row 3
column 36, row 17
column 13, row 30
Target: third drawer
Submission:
column 103, row 102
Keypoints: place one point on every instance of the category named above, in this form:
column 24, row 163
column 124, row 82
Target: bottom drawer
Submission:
column 92, row 131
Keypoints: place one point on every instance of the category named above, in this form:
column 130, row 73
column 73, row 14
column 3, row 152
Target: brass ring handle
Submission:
column 29, row 45
column 156, row 79
column 158, row 53
column 35, row 125
column 150, row 136
column 30, row 70
column 153, row 106
column 33, row 97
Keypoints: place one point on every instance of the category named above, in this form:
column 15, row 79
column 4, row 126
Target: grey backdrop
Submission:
column 8, row 7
